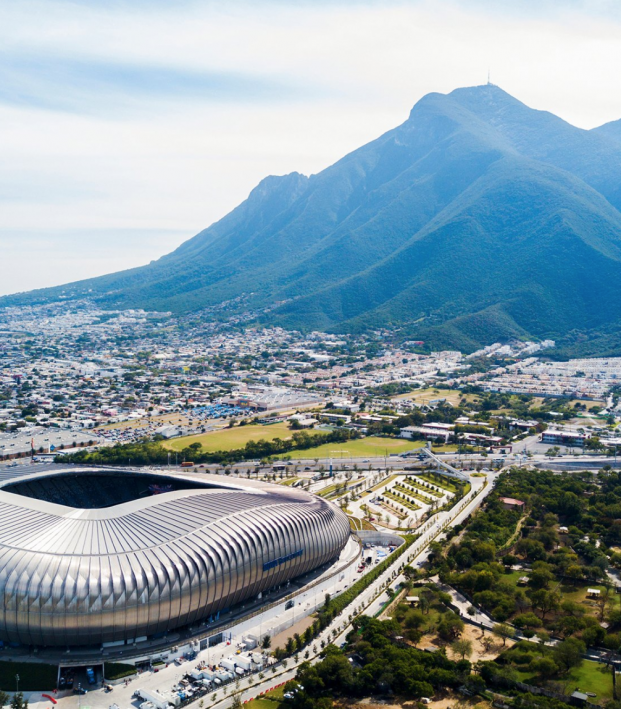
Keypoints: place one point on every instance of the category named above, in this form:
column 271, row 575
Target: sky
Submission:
column 127, row 127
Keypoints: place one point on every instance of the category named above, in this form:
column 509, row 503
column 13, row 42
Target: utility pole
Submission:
column 16, row 683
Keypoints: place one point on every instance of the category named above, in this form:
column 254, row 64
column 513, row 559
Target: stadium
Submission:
column 95, row 556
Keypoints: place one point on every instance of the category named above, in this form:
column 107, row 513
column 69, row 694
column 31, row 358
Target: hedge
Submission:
column 118, row 670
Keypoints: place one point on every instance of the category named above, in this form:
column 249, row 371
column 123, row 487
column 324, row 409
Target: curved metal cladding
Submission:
column 84, row 577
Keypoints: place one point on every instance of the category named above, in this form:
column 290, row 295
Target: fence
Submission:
column 532, row 689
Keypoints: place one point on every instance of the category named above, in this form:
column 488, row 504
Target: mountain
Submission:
column 477, row 219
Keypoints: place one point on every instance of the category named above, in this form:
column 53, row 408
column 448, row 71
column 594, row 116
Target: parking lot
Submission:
column 43, row 440
column 187, row 422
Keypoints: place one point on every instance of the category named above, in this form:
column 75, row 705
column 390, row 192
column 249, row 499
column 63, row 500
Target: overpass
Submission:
column 445, row 468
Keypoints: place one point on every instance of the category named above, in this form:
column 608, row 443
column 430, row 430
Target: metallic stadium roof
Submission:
column 71, row 576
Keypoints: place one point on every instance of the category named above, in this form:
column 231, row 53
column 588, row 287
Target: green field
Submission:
column 592, row 677
column 424, row 396
column 270, row 700
column 589, row 677
column 231, row 438
column 439, row 481
column 371, row 447
column 578, row 594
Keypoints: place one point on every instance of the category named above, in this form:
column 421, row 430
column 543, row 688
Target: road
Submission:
column 372, row 599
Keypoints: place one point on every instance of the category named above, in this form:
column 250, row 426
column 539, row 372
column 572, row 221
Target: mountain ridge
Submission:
column 476, row 219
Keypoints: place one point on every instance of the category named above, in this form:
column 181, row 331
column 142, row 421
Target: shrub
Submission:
column 118, row 670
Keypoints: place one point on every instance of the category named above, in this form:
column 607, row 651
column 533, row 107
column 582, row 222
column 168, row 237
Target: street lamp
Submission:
column 16, row 683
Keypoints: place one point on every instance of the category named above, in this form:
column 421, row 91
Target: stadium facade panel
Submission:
column 95, row 556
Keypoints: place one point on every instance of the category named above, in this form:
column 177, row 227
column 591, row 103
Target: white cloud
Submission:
column 153, row 121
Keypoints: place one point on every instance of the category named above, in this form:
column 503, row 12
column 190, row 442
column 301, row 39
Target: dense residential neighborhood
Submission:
column 76, row 376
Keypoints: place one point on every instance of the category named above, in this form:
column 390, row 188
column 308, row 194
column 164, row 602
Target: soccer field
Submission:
column 371, row 447
column 231, row 438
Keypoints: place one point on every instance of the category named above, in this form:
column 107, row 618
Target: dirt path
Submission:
column 280, row 640
column 480, row 650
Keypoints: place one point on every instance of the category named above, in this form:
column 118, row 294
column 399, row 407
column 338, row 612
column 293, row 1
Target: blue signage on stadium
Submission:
column 282, row 560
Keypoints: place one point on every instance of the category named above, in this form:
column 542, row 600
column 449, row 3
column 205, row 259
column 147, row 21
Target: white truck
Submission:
column 158, row 700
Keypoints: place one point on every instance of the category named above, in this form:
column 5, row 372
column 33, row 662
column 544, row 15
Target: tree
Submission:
column 602, row 601
column 414, row 619
column 574, row 573
column 568, row 653
column 450, row 627
column 462, row 647
column 414, row 635
column 527, row 620
column 541, row 576
column 18, row 701
column 503, row 631
column 4, row 698
column 544, row 638
column 266, row 643
column 544, row 601
column 545, row 667
column 487, row 643
column 409, row 572
column 237, row 702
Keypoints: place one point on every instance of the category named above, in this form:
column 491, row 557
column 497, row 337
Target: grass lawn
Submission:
column 262, row 703
column 439, row 481
column 409, row 503
column 328, row 490
column 231, row 438
column 592, row 677
column 290, row 481
column 413, row 482
column 411, row 495
column 271, row 700
column 578, row 594
column 388, row 480
column 450, row 448
column 587, row 402
column 422, row 396
column 357, row 524
column 589, row 677
column 513, row 577
column 371, row 447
